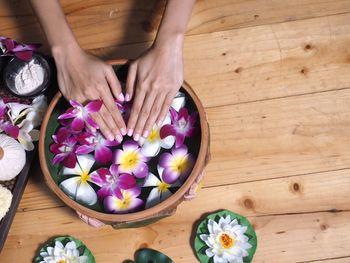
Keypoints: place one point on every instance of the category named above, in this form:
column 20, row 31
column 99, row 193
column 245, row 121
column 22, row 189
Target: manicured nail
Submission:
column 145, row 134
column 121, row 97
column 119, row 138
column 123, row 131
column 130, row 131
column 159, row 123
column 136, row 137
column 127, row 97
column 110, row 137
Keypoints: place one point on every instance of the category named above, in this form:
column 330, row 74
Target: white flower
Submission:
column 179, row 101
column 63, row 254
column 227, row 242
column 27, row 135
column 78, row 187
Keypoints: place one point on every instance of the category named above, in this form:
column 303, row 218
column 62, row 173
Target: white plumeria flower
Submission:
column 227, row 242
column 179, row 101
column 77, row 187
column 63, row 254
column 151, row 146
column 27, row 135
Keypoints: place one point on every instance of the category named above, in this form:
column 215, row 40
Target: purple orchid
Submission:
column 9, row 129
column 3, row 108
column 112, row 182
column 131, row 160
column 95, row 141
column 22, row 51
column 64, row 148
column 124, row 108
column 182, row 126
column 81, row 115
column 126, row 203
column 176, row 165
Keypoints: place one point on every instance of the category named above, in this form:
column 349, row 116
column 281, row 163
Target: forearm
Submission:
column 54, row 24
column 174, row 22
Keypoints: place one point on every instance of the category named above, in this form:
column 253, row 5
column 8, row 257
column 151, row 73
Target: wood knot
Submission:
column 223, row 54
column 296, row 188
column 308, row 47
column 238, row 70
column 323, row 227
column 304, row 71
column 248, row 203
column 256, row 16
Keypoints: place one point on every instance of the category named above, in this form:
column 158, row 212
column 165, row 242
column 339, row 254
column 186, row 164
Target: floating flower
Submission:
column 112, row 182
column 179, row 101
column 176, row 165
column 64, row 148
column 63, row 254
column 151, row 146
column 182, row 126
column 131, row 160
column 81, row 114
column 95, row 141
column 22, row 51
column 127, row 202
column 77, row 187
column 161, row 189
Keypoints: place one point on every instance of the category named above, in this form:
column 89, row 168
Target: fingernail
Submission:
column 159, row 123
column 130, row 131
column 119, row 138
column 127, row 97
column 145, row 134
column 123, row 131
column 136, row 137
column 121, row 97
column 110, row 137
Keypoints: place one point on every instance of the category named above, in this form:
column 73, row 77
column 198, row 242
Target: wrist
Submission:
column 173, row 40
column 63, row 50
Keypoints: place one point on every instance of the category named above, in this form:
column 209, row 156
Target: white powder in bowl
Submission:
column 29, row 78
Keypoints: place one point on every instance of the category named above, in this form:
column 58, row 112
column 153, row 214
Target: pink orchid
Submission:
column 127, row 202
column 176, row 165
column 64, row 148
column 124, row 108
column 22, row 51
column 112, row 181
column 95, row 141
column 81, row 114
column 131, row 160
column 9, row 129
column 182, row 126
column 3, row 108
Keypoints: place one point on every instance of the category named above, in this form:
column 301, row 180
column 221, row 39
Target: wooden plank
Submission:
column 100, row 23
column 333, row 260
column 297, row 194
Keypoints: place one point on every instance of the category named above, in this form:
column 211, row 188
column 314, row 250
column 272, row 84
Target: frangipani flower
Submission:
column 179, row 101
column 63, row 254
column 151, row 146
column 27, row 135
column 176, row 165
column 226, row 241
column 11, row 47
column 127, row 202
column 81, row 114
column 95, row 141
column 77, row 187
column 112, row 182
column 131, row 160
column 182, row 126
column 64, row 148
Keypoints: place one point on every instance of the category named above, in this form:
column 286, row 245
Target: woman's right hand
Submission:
column 83, row 77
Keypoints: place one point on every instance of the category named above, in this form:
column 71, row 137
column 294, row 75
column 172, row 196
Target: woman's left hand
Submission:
column 153, row 80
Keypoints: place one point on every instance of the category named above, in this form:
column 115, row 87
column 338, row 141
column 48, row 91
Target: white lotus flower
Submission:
column 77, row 187
column 227, row 242
column 151, row 146
column 179, row 101
column 63, row 254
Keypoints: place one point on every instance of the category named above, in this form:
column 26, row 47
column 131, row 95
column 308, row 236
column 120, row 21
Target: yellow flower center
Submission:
column 129, row 160
column 61, row 261
column 163, row 187
column 226, row 240
column 125, row 203
column 154, row 135
column 179, row 164
column 84, row 177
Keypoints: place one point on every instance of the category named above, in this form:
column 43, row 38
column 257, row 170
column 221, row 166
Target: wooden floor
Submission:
column 274, row 77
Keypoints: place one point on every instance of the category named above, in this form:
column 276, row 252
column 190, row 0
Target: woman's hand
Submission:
column 83, row 77
column 153, row 80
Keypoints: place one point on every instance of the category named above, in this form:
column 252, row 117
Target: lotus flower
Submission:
column 226, row 241
column 160, row 190
column 81, row 114
column 63, row 254
column 27, row 135
column 131, row 160
column 95, row 141
column 77, row 187
column 151, row 146
column 127, row 202
column 64, row 148
column 182, row 126
column 11, row 47
column 112, row 182
column 175, row 165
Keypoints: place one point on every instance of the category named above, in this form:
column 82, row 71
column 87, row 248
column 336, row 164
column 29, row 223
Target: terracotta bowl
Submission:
column 163, row 209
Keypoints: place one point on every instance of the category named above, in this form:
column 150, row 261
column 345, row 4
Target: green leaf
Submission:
column 200, row 246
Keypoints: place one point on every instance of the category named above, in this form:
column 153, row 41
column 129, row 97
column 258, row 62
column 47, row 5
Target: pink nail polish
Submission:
column 130, row 132
column 119, row 138
column 127, row 97
column 121, row 97
column 137, row 137
column 123, row 131
column 159, row 123
column 145, row 134
column 110, row 137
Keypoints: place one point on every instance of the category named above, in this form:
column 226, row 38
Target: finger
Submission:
column 114, row 84
column 102, row 125
column 144, row 114
column 135, row 111
column 108, row 119
column 130, row 81
column 113, row 110
column 165, row 109
column 157, row 106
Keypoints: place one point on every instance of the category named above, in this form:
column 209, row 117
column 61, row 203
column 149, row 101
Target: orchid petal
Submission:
column 77, row 124
column 84, row 149
column 75, row 104
column 103, row 155
column 126, row 181
column 70, row 161
column 183, row 113
column 167, row 130
column 24, row 55
column 92, row 124
column 180, row 138
column 94, row 106
column 58, row 158
column 99, row 177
